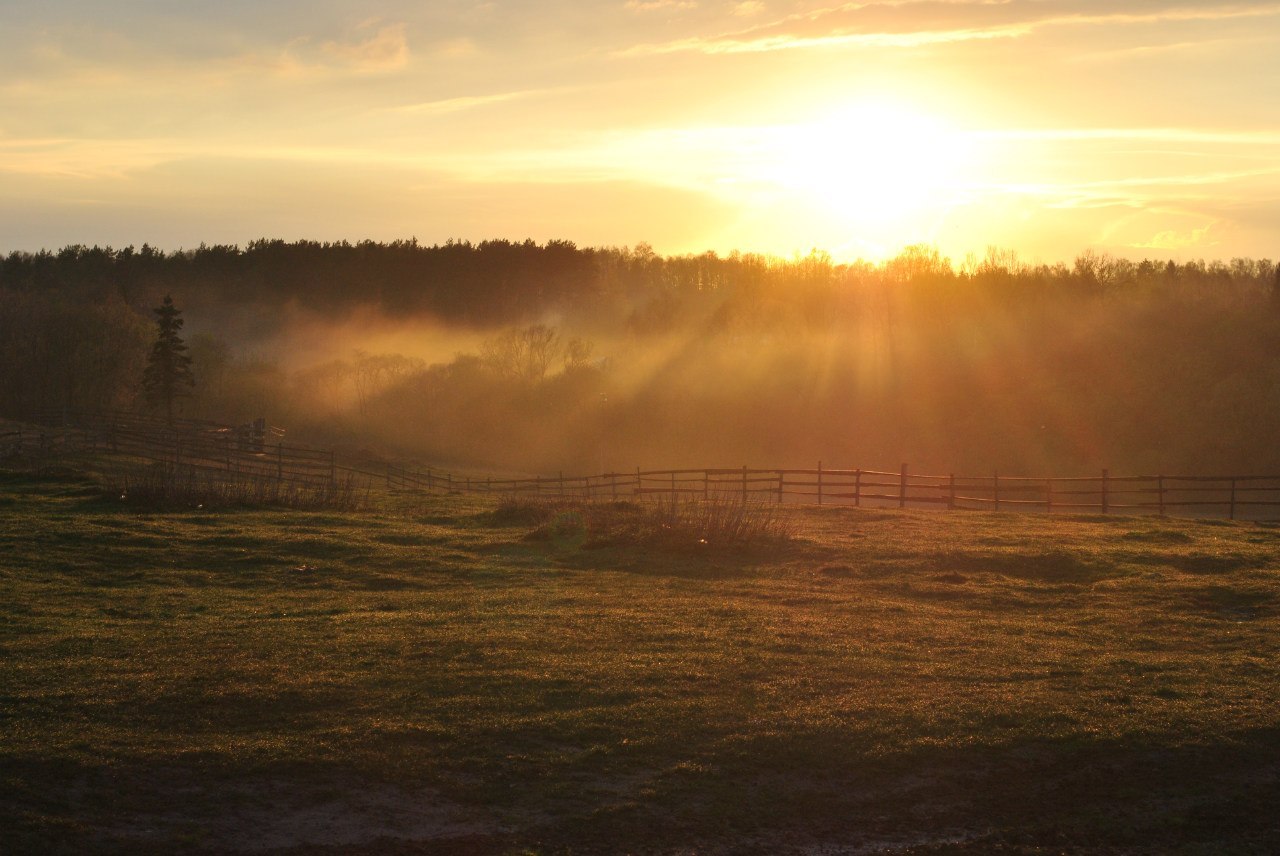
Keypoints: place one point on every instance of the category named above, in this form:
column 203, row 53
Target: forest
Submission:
column 523, row 357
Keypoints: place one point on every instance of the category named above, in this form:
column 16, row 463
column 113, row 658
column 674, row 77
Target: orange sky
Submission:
column 1143, row 128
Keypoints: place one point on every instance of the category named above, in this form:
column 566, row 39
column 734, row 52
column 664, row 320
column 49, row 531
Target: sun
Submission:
column 871, row 163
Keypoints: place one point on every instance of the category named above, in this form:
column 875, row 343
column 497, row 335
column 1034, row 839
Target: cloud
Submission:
column 748, row 9
column 765, row 44
column 1165, row 48
column 1168, row 135
column 915, row 23
column 53, row 71
column 466, row 102
column 82, row 158
column 385, row 50
column 659, row 5
column 1171, row 240
column 455, row 48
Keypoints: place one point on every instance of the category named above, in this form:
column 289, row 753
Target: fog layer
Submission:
column 543, row 358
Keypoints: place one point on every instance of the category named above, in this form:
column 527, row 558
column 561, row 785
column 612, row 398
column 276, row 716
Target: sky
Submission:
column 1048, row 127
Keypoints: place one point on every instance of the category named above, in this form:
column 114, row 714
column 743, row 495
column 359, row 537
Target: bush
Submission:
column 668, row 523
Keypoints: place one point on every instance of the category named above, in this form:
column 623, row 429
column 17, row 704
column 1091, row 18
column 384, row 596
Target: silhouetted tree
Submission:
column 523, row 354
column 168, row 373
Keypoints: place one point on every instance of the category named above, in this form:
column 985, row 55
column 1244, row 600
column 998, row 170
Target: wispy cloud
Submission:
column 84, row 158
column 1165, row 135
column 915, row 23
column 1163, row 49
column 1173, row 240
column 56, row 67
column 385, row 50
column 659, row 5
column 763, row 44
column 445, row 106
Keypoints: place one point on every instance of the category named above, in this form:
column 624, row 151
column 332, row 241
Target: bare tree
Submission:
column 524, row 353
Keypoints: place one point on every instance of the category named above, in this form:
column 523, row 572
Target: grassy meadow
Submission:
column 449, row 674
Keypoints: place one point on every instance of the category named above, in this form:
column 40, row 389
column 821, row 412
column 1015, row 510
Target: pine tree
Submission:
column 168, row 373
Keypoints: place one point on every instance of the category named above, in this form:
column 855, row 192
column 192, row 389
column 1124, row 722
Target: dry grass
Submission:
column 669, row 523
column 164, row 486
column 880, row 682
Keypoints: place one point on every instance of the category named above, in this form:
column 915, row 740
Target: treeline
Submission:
column 504, row 282
column 563, row 358
column 482, row 284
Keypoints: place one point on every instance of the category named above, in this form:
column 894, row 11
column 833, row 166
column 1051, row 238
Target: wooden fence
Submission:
column 1229, row 496
column 218, row 449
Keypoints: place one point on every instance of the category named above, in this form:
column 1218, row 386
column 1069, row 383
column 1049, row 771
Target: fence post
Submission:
column 1232, row 515
column 562, row 483
column 537, row 485
column 1160, row 493
column 951, row 492
column 706, row 485
column 1048, row 496
column 819, row 482
column 613, row 485
column 744, row 484
column 857, row 488
column 1106, row 500
column 779, row 487
column 638, row 481
column 902, row 487
column 673, row 485
column 995, row 488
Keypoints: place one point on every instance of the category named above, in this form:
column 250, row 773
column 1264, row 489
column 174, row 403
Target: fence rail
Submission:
column 212, row 448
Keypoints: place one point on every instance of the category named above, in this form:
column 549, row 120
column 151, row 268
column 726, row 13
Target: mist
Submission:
column 528, row 358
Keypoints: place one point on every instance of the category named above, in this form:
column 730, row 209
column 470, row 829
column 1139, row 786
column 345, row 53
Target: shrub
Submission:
column 668, row 523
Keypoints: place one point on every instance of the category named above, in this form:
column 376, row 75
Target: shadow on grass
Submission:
column 806, row 789
column 706, row 564
column 1056, row 567
column 1203, row 564
column 819, row 790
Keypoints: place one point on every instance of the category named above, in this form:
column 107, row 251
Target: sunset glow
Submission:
column 1051, row 127
column 872, row 162
column 877, row 170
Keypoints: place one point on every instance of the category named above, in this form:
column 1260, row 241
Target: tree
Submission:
column 524, row 353
column 168, row 373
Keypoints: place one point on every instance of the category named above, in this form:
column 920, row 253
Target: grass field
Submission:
column 424, row 677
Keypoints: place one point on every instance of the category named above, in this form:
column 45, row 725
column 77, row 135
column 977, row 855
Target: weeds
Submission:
column 521, row 511
column 667, row 523
column 163, row 486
